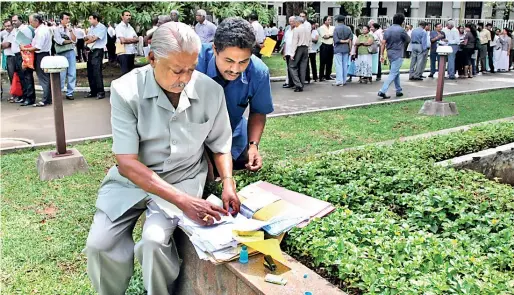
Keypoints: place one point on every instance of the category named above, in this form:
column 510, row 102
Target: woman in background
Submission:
column 353, row 54
column 505, row 51
column 469, row 42
column 364, row 58
column 460, row 59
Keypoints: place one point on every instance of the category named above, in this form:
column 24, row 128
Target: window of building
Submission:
column 473, row 10
column 434, row 9
column 366, row 9
column 382, row 11
column 279, row 10
column 331, row 11
column 403, row 7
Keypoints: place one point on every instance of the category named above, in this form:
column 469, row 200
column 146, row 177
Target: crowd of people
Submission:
column 356, row 52
column 361, row 52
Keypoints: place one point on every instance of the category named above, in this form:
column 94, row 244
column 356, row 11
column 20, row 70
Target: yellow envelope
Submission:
column 269, row 46
column 268, row 247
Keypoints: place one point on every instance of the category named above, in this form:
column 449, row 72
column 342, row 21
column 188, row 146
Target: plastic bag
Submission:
column 16, row 90
column 28, row 59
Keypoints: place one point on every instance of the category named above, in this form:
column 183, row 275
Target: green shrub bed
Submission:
column 403, row 225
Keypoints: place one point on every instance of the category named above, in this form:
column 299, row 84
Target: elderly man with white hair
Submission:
column 453, row 38
column 204, row 28
column 162, row 116
column 174, row 14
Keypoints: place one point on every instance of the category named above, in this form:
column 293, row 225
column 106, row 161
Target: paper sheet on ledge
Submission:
column 268, row 247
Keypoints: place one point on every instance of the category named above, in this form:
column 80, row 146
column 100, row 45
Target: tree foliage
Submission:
column 142, row 12
column 353, row 8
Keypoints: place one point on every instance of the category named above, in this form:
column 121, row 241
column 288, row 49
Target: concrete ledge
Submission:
column 494, row 163
column 201, row 277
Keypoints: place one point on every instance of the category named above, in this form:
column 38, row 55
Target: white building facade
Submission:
column 458, row 10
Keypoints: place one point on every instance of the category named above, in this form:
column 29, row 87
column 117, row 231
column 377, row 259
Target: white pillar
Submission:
column 374, row 9
column 414, row 9
column 500, row 10
column 456, row 11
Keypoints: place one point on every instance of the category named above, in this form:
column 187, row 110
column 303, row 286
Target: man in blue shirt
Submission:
column 394, row 40
column 246, row 82
column 418, row 45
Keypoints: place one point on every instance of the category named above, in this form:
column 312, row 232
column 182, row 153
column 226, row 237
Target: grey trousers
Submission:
column 424, row 59
column 416, row 61
column 110, row 251
column 299, row 66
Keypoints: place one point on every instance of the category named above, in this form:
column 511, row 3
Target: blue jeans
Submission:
column 394, row 75
column 71, row 72
column 451, row 61
column 341, row 61
column 433, row 58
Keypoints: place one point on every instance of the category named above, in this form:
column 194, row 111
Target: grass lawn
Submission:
column 277, row 65
column 44, row 225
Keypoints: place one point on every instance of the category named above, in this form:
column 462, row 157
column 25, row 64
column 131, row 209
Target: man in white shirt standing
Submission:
column 6, row 38
column 96, row 39
column 453, row 38
column 41, row 45
column 286, row 50
column 81, row 52
column 26, row 75
column 111, row 44
column 259, row 34
column 126, row 35
column 63, row 36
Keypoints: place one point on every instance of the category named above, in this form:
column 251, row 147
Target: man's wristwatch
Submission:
column 254, row 143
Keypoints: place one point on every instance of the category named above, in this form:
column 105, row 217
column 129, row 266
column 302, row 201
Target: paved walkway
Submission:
column 91, row 117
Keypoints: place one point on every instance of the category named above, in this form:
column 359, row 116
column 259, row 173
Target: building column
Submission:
column 456, row 11
column 500, row 10
column 414, row 9
column 374, row 9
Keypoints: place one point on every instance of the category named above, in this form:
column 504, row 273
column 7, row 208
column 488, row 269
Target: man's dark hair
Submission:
column 6, row 21
column 304, row 12
column 123, row 12
column 61, row 16
column 340, row 18
column 489, row 25
column 95, row 15
column 436, row 24
column 234, row 32
column 253, row 16
column 20, row 17
column 155, row 20
column 398, row 19
column 422, row 24
column 481, row 24
column 376, row 26
column 325, row 18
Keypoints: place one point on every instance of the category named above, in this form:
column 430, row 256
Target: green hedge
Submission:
column 403, row 225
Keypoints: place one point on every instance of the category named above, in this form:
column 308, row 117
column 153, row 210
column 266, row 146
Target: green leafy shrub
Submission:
column 404, row 225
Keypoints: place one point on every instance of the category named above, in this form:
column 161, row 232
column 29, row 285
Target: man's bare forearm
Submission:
column 148, row 180
column 256, row 123
column 223, row 164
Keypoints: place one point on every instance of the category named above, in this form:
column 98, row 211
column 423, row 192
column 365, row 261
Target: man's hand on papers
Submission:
column 201, row 211
column 254, row 159
column 229, row 196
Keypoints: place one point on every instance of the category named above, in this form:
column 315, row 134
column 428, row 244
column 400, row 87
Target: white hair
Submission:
column 174, row 37
column 201, row 12
column 450, row 23
column 292, row 17
column 175, row 11
column 299, row 19
column 371, row 21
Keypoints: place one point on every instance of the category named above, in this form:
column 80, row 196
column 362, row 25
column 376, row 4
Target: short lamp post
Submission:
column 437, row 107
column 62, row 162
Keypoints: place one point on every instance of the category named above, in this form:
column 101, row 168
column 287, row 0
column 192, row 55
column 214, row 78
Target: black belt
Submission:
column 17, row 53
column 415, row 43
